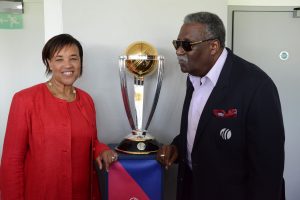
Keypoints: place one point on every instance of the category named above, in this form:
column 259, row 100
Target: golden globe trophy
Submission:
column 140, row 59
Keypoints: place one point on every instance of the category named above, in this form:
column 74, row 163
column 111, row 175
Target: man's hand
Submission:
column 167, row 154
column 105, row 158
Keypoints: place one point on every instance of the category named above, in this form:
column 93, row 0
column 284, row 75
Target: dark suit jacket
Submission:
column 247, row 164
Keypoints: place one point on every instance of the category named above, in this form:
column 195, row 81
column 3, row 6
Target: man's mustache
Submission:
column 182, row 58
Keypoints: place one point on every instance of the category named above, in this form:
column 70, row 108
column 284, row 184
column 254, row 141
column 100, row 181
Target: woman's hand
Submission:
column 105, row 158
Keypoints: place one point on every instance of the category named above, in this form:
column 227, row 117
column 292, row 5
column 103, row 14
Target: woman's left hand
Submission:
column 105, row 158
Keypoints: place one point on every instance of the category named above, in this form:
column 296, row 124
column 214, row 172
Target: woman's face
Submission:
column 65, row 65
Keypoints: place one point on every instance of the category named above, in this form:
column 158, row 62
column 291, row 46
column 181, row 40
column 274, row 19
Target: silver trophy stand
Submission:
column 139, row 141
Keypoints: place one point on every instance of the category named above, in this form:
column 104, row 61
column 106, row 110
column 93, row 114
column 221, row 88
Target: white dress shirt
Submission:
column 203, row 86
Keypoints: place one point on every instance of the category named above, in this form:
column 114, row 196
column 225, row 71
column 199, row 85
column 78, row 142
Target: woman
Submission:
column 51, row 134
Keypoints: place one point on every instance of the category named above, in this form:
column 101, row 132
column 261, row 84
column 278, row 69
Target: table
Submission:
column 132, row 177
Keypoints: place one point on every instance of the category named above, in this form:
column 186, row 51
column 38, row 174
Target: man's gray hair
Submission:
column 214, row 26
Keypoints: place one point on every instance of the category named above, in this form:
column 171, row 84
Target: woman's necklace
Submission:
column 54, row 91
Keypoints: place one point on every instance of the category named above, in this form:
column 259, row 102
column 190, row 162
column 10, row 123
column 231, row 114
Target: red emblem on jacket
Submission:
column 230, row 113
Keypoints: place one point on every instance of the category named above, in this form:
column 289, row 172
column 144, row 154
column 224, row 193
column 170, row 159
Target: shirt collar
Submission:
column 214, row 72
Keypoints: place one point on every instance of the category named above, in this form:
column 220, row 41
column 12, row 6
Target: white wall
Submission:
column 52, row 18
column 20, row 58
column 105, row 29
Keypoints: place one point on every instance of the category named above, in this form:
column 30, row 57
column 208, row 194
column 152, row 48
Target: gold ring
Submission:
column 115, row 157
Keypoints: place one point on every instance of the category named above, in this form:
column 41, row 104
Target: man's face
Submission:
column 199, row 60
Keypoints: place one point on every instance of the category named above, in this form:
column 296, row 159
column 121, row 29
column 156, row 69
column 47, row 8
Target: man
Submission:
column 231, row 141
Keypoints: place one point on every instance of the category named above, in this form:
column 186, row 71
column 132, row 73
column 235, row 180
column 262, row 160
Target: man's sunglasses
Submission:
column 187, row 45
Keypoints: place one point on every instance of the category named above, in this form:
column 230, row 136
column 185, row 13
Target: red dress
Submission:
column 48, row 147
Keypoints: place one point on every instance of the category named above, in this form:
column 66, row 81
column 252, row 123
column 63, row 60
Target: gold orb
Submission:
column 141, row 58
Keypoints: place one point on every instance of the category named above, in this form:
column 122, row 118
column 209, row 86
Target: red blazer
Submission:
column 36, row 159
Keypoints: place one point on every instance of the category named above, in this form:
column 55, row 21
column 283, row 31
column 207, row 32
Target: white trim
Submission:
column 53, row 18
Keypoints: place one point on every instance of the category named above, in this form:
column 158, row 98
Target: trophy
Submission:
column 140, row 61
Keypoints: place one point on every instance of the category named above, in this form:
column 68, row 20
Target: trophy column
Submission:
column 141, row 59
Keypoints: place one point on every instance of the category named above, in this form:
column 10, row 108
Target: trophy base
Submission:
column 146, row 146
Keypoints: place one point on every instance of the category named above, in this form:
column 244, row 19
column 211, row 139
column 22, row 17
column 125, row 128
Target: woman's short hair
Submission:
column 214, row 26
column 57, row 43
